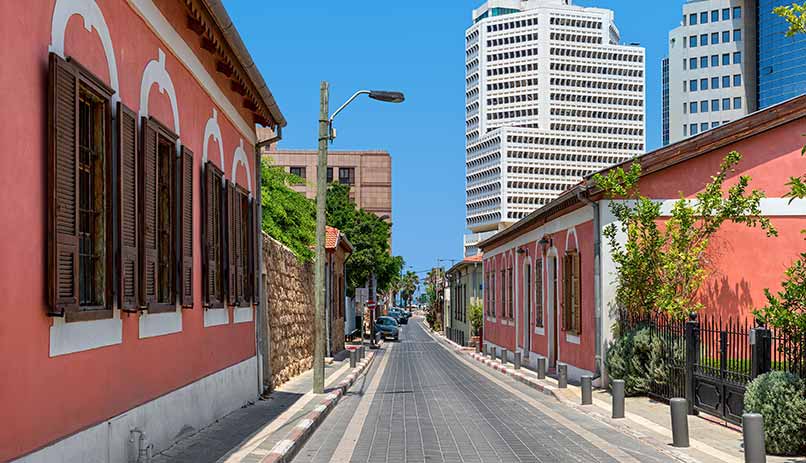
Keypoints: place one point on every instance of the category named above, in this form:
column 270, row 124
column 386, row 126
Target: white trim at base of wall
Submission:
column 163, row 419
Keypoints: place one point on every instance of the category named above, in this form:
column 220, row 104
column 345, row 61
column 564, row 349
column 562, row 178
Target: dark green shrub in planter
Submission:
column 780, row 398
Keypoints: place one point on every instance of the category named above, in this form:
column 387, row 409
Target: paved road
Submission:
column 420, row 402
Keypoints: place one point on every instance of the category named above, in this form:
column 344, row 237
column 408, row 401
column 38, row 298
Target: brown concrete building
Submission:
column 369, row 173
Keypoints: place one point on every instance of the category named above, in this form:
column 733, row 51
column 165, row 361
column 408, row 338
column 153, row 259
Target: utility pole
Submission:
column 319, row 273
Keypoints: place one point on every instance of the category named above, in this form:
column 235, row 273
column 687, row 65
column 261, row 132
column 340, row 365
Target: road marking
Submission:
column 353, row 430
column 252, row 442
column 595, row 440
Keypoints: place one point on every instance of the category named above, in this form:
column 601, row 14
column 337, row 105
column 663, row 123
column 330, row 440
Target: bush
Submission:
column 781, row 399
column 641, row 359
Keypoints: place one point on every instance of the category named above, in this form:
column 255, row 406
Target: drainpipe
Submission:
column 597, row 282
column 262, row 334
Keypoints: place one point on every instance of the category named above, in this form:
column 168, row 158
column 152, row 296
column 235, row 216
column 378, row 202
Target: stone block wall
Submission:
column 290, row 306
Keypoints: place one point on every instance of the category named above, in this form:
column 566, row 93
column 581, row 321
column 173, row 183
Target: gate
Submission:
column 720, row 366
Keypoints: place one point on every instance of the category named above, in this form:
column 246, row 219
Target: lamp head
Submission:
column 388, row 97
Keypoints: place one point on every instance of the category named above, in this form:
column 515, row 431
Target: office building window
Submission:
column 692, row 41
column 725, row 81
column 692, row 19
column 714, row 38
column 725, row 36
column 737, row 103
column 703, row 61
column 737, row 58
column 725, row 14
column 703, row 84
column 737, row 80
column 694, row 107
column 685, row 108
column 725, row 104
column 347, row 175
column 704, row 17
column 703, row 126
column 704, row 106
column 737, row 12
column 726, row 59
column 714, row 83
column 329, row 175
column 714, row 16
column 693, row 129
column 298, row 172
column 714, row 125
column 685, row 64
column 693, row 64
column 692, row 84
column 703, row 40
column 714, row 105
column 685, row 130
column 737, row 35
column 714, row 61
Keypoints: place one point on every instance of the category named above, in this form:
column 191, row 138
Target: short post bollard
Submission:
column 503, row 356
column 353, row 358
column 753, row 432
column 478, row 347
column 541, row 368
column 618, row 398
column 516, row 360
column 587, row 390
column 361, row 352
column 562, row 375
column 679, row 409
column 491, row 353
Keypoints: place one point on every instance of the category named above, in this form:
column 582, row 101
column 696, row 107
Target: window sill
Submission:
column 572, row 338
column 216, row 316
column 157, row 308
column 540, row 330
column 78, row 336
column 153, row 324
column 88, row 314
column 242, row 314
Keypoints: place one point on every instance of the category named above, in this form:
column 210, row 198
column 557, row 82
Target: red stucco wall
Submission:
column 43, row 399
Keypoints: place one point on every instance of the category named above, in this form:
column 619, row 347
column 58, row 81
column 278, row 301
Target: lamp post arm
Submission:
column 355, row 95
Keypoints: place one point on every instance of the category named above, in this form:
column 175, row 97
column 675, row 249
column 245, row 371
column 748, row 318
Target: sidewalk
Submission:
column 270, row 429
column 711, row 440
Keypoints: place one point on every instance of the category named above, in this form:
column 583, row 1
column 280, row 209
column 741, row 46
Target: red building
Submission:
column 552, row 281
column 128, row 224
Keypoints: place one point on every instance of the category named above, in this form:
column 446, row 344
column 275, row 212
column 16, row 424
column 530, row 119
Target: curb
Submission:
column 286, row 449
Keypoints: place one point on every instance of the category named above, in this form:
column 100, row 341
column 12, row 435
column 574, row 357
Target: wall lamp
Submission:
column 522, row 250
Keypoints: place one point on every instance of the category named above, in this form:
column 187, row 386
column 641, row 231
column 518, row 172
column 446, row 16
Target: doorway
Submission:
column 553, row 312
column 527, row 311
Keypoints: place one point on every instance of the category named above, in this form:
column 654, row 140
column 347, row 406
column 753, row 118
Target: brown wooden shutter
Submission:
column 567, row 292
column 240, row 198
column 577, row 282
column 232, row 256
column 186, row 235
column 62, row 186
column 128, row 210
column 251, row 250
column 256, row 246
column 212, row 231
column 149, row 210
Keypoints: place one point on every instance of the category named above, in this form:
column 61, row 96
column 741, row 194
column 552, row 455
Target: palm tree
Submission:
column 408, row 286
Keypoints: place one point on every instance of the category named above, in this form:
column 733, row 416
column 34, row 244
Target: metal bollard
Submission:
column 679, row 409
column 587, row 390
column 516, row 360
column 618, row 398
column 562, row 375
column 503, row 356
column 353, row 358
column 361, row 352
column 753, row 433
column 541, row 368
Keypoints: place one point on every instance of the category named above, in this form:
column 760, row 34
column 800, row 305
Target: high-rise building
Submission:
column 712, row 66
column 781, row 59
column 665, row 100
column 551, row 96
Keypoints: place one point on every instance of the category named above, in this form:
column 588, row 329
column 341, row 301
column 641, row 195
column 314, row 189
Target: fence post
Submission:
column 760, row 350
column 692, row 353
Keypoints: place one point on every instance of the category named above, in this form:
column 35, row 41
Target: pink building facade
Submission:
column 128, row 221
column 550, row 281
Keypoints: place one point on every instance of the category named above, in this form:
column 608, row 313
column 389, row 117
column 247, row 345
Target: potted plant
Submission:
column 476, row 318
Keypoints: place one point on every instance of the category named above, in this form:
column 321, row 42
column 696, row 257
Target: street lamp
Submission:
column 326, row 135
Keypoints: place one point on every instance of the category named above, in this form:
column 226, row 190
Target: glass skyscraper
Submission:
column 781, row 59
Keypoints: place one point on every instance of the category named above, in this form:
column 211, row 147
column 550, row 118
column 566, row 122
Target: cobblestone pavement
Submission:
column 427, row 405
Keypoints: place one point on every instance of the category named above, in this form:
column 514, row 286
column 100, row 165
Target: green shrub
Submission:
column 641, row 359
column 780, row 398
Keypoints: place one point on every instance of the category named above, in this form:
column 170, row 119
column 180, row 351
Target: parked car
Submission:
column 400, row 315
column 387, row 327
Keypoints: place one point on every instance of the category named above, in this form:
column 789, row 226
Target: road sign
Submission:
column 371, row 305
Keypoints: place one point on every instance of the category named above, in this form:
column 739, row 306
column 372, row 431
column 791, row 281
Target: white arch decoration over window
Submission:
column 93, row 19
column 572, row 231
column 212, row 129
column 155, row 73
column 240, row 157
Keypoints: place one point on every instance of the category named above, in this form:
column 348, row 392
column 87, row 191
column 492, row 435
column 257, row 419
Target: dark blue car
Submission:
column 388, row 328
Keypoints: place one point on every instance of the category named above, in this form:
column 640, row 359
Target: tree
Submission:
column 662, row 269
column 408, row 285
column 288, row 216
column 370, row 238
column 475, row 315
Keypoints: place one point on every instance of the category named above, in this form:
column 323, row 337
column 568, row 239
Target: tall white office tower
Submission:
column 712, row 66
column 551, row 96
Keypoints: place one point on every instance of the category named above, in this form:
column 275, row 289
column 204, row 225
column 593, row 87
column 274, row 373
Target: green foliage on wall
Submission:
column 288, row 216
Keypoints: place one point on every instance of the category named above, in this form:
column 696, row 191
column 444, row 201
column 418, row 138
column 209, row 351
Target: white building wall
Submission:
column 551, row 97
column 686, row 115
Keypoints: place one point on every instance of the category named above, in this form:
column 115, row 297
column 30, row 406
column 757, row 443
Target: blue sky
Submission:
column 416, row 47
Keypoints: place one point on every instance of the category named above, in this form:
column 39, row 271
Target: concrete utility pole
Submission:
column 319, row 273
column 325, row 136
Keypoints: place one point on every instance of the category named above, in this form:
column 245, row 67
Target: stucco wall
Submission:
column 290, row 305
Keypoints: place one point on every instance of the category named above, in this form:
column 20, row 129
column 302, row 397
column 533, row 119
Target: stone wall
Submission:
column 290, row 305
